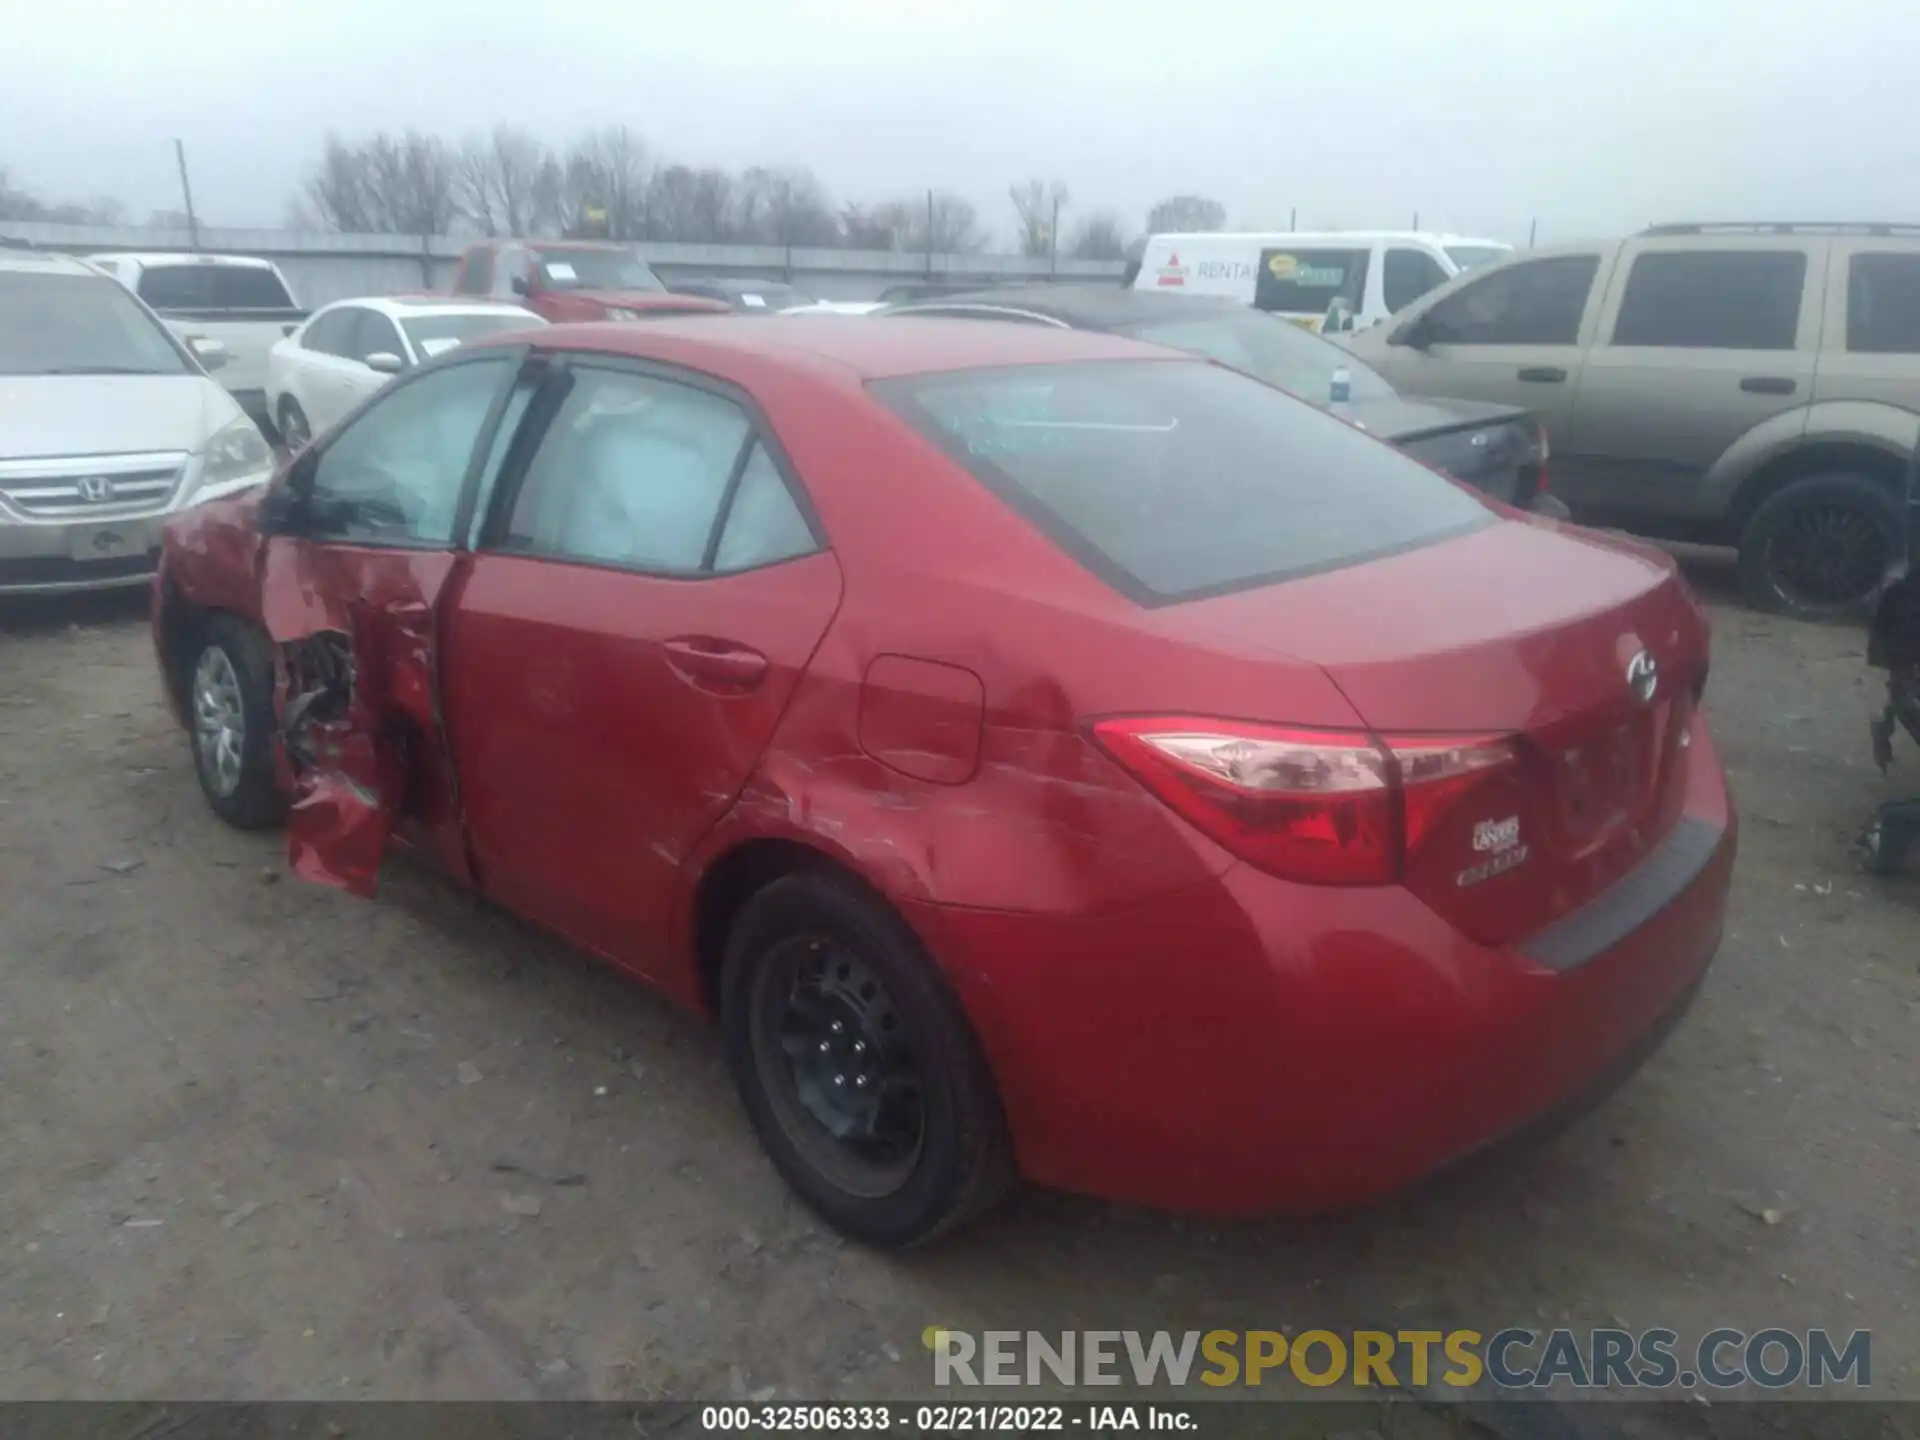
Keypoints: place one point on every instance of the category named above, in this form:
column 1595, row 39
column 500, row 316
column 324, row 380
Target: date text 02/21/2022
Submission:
column 945, row 1419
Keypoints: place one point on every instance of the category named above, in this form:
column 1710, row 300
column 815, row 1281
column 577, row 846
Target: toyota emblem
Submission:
column 96, row 489
column 1643, row 677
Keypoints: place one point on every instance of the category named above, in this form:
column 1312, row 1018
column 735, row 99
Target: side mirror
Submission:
column 520, row 285
column 1416, row 333
column 283, row 508
column 211, row 354
column 1339, row 317
column 385, row 362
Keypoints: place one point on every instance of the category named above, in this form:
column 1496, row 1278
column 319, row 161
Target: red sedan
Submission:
column 1044, row 754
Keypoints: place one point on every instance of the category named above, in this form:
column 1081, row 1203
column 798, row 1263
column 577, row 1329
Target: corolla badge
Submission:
column 1643, row 677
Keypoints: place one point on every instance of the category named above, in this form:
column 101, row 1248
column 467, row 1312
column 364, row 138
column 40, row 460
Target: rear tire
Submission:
column 230, row 723
column 296, row 431
column 1820, row 547
column 858, row 1068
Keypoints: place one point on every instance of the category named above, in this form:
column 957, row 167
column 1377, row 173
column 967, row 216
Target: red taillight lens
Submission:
column 1329, row 807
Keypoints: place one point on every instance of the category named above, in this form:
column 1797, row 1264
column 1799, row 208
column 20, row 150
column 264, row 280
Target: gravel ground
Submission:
column 263, row 1140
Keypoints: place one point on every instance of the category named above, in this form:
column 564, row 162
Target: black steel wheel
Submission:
column 1821, row 547
column 857, row 1065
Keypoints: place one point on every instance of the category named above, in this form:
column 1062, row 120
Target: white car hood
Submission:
column 43, row 416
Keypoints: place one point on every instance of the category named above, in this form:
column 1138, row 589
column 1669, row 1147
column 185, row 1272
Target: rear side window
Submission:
column 1534, row 302
column 1176, row 479
column 651, row 475
column 1408, row 274
column 1306, row 281
column 248, row 287
column 1883, row 304
column 1713, row 300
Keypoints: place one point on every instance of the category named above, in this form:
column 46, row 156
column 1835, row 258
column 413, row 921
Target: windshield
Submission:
column 1267, row 348
column 1467, row 257
column 772, row 296
column 563, row 269
column 79, row 325
column 432, row 335
column 1171, row 479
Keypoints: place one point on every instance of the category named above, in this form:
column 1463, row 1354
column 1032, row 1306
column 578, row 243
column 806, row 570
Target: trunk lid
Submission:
column 1529, row 632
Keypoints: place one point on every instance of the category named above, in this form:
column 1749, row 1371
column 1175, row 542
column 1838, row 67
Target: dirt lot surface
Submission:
column 263, row 1140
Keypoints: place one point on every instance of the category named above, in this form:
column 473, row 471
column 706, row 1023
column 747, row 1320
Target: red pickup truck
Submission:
column 565, row 280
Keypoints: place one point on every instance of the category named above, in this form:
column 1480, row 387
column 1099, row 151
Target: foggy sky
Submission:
column 1478, row 114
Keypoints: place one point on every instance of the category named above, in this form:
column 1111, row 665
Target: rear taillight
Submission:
column 1328, row 807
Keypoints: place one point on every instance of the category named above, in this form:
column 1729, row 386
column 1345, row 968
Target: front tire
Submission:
column 230, row 707
column 1820, row 547
column 858, row 1068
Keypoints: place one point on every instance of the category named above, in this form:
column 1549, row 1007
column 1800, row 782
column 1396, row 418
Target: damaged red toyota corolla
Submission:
column 1044, row 754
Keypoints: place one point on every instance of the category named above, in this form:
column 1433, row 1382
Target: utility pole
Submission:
column 186, row 192
column 1053, row 236
column 929, row 234
column 1416, row 219
column 1533, row 228
column 1293, row 219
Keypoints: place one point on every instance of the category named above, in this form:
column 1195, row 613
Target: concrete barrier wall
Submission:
column 323, row 267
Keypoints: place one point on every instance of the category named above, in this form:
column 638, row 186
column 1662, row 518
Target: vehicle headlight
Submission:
column 236, row 458
column 615, row 312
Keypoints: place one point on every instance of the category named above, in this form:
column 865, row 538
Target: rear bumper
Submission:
column 1262, row 1047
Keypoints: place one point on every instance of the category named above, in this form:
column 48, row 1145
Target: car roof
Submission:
column 46, row 262
column 402, row 307
column 148, row 258
column 1089, row 307
column 844, row 346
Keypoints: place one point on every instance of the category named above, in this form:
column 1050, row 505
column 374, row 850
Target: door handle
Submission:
column 1768, row 385
column 705, row 660
column 1543, row 374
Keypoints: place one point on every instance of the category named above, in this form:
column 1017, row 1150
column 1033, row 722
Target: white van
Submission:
column 1330, row 280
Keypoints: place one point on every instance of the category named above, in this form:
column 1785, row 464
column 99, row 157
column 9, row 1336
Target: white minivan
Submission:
column 1331, row 280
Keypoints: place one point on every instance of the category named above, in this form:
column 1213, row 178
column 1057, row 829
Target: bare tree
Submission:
column 787, row 206
column 951, row 226
column 1186, row 213
column 1098, row 237
column 607, row 180
column 1038, row 205
column 691, row 205
column 20, row 205
column 387, row 185
column 508, row 182
column 875, row 227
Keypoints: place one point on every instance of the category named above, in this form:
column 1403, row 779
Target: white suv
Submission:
column 108, row 424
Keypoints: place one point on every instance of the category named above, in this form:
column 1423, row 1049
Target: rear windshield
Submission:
column 1175, row 479
column 1267, row 348
column 213, row 287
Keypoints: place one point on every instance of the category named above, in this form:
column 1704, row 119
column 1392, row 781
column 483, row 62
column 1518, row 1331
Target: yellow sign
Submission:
column 1283, row 267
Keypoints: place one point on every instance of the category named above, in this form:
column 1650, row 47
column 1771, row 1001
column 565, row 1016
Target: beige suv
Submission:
column 1753, row 385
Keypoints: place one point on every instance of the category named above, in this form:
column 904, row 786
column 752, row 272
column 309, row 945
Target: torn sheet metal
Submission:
column 357, row 697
